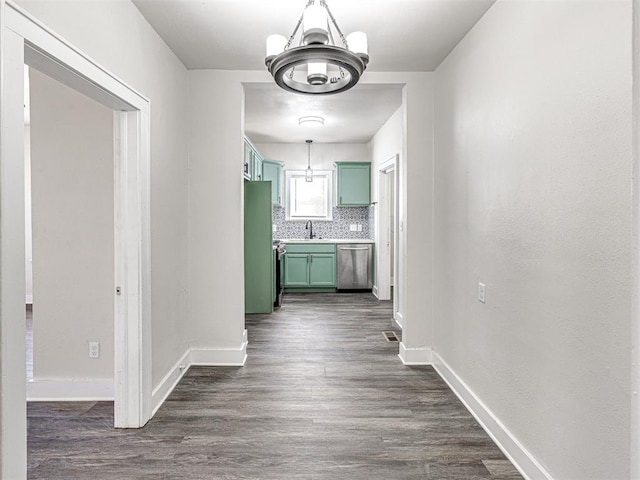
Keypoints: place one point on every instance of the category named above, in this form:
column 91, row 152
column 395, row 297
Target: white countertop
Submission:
column 325, row 240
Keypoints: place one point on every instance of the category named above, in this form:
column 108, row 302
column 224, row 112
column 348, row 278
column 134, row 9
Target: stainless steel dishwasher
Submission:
column 354, row 266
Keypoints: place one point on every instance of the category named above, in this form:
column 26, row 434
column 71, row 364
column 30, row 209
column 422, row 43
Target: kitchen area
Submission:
column 306, row 230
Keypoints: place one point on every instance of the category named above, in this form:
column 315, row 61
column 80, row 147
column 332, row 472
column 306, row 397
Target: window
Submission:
column 309, row 200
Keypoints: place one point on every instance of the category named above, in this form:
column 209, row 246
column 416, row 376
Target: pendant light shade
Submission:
column 318, row 65
column 315, row 26
column 358, row 43
column 275, row 45
column 317, row 73
column 308, row 175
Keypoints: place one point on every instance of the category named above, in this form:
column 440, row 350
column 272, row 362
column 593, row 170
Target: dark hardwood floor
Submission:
column 323, row 396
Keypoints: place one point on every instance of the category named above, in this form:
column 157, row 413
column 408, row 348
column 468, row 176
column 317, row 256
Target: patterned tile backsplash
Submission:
column 343, row 217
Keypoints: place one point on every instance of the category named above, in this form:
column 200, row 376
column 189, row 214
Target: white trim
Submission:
column 70, row 61
column 13, row 418
column 374, row 290
column 415, row 356
column 399, row 318
column 635, row 300
column 69, row 390
column 170, row 381
column 28, row 299
column 132, row 325
column 211, row 357
column 383, row 239
column 517, row 454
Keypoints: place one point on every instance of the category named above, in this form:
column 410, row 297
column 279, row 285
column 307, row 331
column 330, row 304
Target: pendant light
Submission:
column 308, row 176
column 318, row 65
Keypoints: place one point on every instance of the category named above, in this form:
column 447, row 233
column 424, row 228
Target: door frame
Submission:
column 27, row 41
column 635, row 300
column 383, row 271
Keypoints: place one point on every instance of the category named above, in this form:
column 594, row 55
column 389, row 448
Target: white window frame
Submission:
column 328, row 174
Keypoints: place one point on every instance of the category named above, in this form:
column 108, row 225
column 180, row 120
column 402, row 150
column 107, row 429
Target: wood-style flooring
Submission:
column 323, row 396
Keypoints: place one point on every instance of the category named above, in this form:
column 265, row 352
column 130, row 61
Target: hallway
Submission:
column 323, row 396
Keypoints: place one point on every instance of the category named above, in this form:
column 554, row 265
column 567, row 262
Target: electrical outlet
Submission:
column 94, row 349
column 359, row 227
column 275, row 228
column 481, row 292
column 353, row 228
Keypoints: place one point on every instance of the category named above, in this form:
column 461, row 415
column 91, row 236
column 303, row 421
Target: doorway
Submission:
column 387, row 231
column 69, row 195
column 26, row 41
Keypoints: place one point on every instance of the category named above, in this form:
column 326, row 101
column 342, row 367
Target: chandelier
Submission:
column 317, row 65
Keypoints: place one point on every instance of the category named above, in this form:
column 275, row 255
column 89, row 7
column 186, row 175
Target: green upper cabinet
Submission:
column 354, row 184
column 252, row 162
column 272, row 171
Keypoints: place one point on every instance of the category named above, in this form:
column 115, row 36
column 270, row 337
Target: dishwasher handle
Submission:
column 353, row 248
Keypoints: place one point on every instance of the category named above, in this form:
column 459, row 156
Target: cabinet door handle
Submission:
column 340, row 198
column 311, row 258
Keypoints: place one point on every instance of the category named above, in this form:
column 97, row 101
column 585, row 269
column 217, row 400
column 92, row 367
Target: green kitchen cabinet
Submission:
column 354, row 184
column 322, row 270
column 310, row 266
column 296, row 269
column 272, row 171
column 252, row 162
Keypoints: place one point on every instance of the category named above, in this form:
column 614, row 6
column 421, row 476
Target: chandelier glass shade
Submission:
column 318, row 64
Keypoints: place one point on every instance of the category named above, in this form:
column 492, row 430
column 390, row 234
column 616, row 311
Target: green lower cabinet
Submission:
column 322, row 270
column 296, row 270
column 309, row 267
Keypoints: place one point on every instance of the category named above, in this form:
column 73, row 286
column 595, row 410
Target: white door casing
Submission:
column 25, row 40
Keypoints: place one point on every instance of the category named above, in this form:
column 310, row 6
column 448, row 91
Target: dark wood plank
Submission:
column 323, row 396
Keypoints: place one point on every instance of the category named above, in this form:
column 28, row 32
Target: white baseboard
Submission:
column 399, row 319
column 504, row 439
column 220, row 357
column 169, row 382
column 212, row 357
column 28, row 299
column 69, row 390
column 374, row 290
column 415, row 356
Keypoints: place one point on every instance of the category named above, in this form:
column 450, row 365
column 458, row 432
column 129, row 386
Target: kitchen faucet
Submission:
column 309, row 226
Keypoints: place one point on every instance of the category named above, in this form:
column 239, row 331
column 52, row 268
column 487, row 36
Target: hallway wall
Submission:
column 116, row 35
column 533, row 198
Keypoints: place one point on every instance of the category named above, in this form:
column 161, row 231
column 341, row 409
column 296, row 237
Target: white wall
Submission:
column 386, row 143
column 73, row 250
column 323, row 155
column 532, row 192
column 105, row 31
column 216, row 237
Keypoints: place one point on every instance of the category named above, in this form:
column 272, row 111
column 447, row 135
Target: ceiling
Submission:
column 404, row 36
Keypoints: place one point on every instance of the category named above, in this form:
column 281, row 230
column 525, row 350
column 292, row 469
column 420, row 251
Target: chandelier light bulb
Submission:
column 317, row 73
column 275, row 45
column 315, row 26
column 357, row 42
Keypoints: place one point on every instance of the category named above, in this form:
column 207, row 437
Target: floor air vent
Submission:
column 390, row 336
